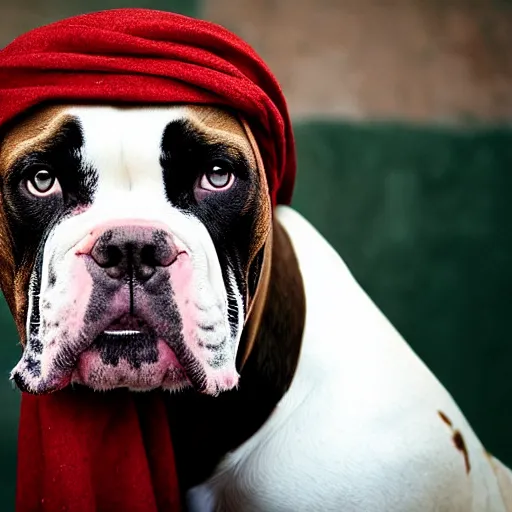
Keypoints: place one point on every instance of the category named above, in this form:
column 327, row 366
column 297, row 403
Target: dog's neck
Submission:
column 205, row 428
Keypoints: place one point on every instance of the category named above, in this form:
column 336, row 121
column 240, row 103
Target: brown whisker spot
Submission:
column 458, row 440
column 445, row 418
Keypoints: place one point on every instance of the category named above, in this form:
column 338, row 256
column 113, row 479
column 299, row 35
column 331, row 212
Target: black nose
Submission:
column 136, row 251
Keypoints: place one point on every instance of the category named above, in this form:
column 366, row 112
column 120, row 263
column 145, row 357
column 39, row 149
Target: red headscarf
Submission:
column 83, row 451
column 145, row 56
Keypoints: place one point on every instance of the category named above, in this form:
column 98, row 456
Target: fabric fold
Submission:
column 85, row 451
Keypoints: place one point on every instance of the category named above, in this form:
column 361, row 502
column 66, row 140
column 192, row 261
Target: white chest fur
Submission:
column 365, row 425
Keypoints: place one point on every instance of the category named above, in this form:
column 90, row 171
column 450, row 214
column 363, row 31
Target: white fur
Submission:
column 239, row 302
column 359, row 429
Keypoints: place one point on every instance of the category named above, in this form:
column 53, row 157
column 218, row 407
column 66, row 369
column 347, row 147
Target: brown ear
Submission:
column 7, row 266
column 256, row 306
column 262, row 244
column 13, row 283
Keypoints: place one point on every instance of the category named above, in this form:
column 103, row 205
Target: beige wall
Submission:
column 423, row 60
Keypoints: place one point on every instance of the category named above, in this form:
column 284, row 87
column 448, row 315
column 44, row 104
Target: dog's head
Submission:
column 131, row 245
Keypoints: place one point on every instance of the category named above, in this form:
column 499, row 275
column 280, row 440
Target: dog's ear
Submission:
column 12, row 282
column 7, row 266
column 260, row 256
column 272, row 337
column 7, row 277
column 256, row 305
column 277, row 308
column 263, row 215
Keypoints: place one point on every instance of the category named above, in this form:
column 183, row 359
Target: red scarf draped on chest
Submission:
column 81, row 451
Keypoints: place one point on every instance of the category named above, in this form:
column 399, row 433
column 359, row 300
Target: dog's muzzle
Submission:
column 129, row 312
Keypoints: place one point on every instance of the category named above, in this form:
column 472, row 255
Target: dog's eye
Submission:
column 42, row 183
column 219, row 178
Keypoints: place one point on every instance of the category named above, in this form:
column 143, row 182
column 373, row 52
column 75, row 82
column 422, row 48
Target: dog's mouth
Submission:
column 124, row 332
column 127, row 325
column 128, row 338
column 128, row 352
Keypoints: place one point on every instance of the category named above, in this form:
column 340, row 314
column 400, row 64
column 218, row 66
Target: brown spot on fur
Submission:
column 460, row 444
column 458, row 440
column 217, row 118
column 445, row 418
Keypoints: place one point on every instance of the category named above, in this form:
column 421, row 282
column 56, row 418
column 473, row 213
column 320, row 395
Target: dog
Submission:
column 139, row 249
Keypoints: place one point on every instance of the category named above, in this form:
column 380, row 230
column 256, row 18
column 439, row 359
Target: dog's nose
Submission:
column 137, row 251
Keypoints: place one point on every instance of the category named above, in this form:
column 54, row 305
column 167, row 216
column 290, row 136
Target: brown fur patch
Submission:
column 31, row 133
column 262, row 236
column 221, row 126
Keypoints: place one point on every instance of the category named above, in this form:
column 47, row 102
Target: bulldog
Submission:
column 139, row 249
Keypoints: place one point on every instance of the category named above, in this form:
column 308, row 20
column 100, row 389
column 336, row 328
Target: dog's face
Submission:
column 131, row 242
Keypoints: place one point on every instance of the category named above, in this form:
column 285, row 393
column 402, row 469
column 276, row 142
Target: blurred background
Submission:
column 402, row 114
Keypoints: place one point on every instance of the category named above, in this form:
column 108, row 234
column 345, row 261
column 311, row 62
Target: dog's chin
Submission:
column 101, row 371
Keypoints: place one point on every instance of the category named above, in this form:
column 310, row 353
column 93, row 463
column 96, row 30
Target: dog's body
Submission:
column 365, row 426
column 139, row 250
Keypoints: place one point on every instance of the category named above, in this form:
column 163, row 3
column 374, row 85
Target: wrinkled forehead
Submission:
column 133, row 133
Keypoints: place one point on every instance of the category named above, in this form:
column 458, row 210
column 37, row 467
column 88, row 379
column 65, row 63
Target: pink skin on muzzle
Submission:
column 165, row 371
